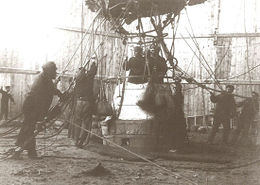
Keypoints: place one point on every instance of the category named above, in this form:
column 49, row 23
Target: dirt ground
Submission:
column 63, row 163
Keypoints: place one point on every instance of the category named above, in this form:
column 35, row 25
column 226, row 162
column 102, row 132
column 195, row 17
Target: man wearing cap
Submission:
column 6, row 96
column 250, row 108
column 36, row 106
column 158, row 64
column 84, row 103
column 137, row 66
column 225, row 110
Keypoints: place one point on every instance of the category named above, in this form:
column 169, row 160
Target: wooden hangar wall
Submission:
column 220, row 34
column 24, row 52
column 228, row 38
column 228, row 35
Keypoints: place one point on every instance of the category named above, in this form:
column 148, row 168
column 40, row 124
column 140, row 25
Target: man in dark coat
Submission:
column 6, row 96
column 158, row 64
column 158, row 68
column 177, row 124
column 84, row 103
column 250, row 108
column 137, row 66
column 36, row 106
column 225, row 110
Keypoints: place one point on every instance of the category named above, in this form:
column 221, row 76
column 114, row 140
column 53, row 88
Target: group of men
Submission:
column 151, row 66
column 154, row 66
column 39, row 99
column 226, row 110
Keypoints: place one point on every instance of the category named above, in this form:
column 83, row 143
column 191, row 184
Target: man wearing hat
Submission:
column 225, row 110
column 250, row 108
column 158, row 64
column 137, row 66
column 6, row 96
column 36, row 106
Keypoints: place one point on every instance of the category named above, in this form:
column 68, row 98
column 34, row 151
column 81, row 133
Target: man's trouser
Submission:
column 25, row 138
column 241, row 132
column 226, row 129
column 83, row 120
column 171, row 131
column 70, row 119
column 4, row 112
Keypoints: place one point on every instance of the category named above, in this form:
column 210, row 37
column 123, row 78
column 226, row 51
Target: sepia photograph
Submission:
column 129, row 92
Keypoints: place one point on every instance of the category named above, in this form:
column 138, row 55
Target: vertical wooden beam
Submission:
column 247, row 48
column 218, row 17
column 203, row 97
column 82, row 33
column 255, row 16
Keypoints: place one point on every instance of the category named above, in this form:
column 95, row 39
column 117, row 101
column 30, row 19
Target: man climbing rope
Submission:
column 225, row 110
column 84, row 103
column 158, row 64
column 35, row 108
column 6, row 96
column 250, row 108
column 136, row 65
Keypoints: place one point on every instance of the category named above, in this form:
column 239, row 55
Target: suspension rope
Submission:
column 36, row 132
column 123, row 87
column 188, row 67
column 83, row 37
column 187, row 78
column 55, row 134
column 241, row 73
column 91, row 36
column 12, row 119
column 172, row 50
column 63, row 71
column 201, row 62
column 140, row 26
column 115, row 22
column 191, row 80
column 197, row 45
column 209, row 70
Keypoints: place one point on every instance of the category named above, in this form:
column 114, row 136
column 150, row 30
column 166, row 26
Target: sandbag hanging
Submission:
column 163, row 96
column 157, row 96
column 104, row 108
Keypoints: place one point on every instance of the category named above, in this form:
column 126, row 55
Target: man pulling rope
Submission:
column 35, row 108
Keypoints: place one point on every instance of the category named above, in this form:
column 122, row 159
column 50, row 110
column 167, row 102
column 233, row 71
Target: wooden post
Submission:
column 82, row 33
column 203, row 97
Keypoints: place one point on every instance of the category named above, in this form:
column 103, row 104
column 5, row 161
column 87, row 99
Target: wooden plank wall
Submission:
column 61, row 47
column 230, row 52
column 229, row 58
